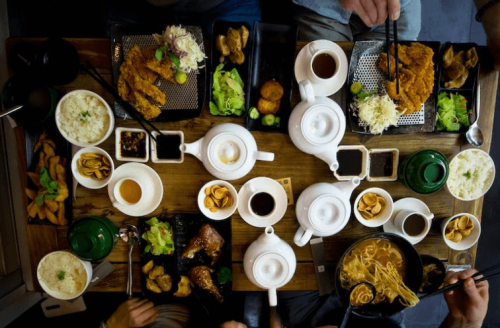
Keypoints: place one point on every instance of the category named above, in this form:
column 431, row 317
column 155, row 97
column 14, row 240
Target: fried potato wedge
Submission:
column 31, row 193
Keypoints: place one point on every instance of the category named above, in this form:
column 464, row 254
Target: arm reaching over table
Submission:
column 133, row 313
column 491, row 24
column 373, row 12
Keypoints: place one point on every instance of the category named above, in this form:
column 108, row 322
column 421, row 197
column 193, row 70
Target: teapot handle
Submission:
column 302, row 236
column 273, row 297
column 264, row 156
column 306, row 91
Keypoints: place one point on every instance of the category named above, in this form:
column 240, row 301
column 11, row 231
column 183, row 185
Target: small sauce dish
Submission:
column 132, row 145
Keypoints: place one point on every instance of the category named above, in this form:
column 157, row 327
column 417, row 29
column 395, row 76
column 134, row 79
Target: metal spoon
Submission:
column 351, row 306
column 474, row 135
column 129, row 234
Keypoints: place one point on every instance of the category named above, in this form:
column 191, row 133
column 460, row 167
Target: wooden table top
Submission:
column 182, row 182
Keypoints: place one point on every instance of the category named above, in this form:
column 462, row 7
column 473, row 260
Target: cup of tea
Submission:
column 261, row 204
column 127, row 191
column 413, row 224
column 324, row 64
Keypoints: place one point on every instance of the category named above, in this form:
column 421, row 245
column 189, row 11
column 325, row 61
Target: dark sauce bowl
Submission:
column 436, row 281
column 412, row 281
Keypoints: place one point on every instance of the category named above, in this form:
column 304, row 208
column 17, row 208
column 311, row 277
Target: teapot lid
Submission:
column 326, row 213
column 227, row 152
column 320, row 124
column 271, row 269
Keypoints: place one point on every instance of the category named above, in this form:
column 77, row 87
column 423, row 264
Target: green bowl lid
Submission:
column 426, row 171
column 92, row 238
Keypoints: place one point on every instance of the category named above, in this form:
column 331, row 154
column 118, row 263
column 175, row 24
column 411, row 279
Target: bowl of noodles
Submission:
column 391, row 264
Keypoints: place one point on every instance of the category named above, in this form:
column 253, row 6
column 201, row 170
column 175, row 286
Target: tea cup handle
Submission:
column 251, row 188
column 311, row 47
column 264, row 156
column 429, row 217
column 302, row 236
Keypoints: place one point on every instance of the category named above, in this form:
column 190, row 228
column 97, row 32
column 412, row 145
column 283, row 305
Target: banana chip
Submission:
column 95, row 166
column 371, row 206
column 459, row 228
column 217, row 198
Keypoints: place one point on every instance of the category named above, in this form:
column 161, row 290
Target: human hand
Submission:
column 467, row 304
column 373, row 12
column 233, row 324
column 133, row 313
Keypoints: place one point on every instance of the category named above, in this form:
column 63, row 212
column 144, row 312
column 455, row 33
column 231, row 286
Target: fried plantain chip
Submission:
column 48, row 150
column 41, row 212
column 35, row 178
column 38, row 144
column 31, row 193
column 61, row 215
column 51, row 216
column 32, row 209
column 50, row 142
column 51, row 204
column 53, row 161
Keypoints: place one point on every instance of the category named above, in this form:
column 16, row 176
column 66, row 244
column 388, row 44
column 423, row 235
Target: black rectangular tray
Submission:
column 273, row 58
column 117, row 32
column 468, row 90
column 63, row 148
column 220, row 27
column 372, row 47
column 186, row 226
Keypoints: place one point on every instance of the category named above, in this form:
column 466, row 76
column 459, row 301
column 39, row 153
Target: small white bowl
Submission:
column 154, row 156
column 73, row 141
column 487, row 184
column 223, row 213
column 381, row 219
column 89, row 182
column 118, row 155
column 365, row 163
column 467, row 241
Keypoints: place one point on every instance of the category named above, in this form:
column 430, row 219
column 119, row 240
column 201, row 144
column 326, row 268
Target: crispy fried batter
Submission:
column 143, row 106
column 164, row 68
column 139, row 62
column 137, row 83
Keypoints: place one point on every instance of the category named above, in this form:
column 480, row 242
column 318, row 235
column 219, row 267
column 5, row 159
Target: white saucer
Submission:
column 326, row 89
column 409, row 203
column 262, row 184
column 150, row 181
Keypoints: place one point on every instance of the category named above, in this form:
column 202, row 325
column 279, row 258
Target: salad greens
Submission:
column 229, row 97
column 51, row 187
column 452, row 112
column 224, row 275
column 160, row 237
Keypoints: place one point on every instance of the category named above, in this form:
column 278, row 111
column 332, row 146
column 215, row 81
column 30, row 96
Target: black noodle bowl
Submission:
column 413, row 278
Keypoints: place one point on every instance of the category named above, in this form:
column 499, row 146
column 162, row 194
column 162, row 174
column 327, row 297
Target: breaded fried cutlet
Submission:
column 139, row 62
column 164, row 68
column 143, row 106
column 137, row 83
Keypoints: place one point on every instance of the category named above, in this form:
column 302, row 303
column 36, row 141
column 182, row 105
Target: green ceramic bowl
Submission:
column 424, row 172
column 92, row 238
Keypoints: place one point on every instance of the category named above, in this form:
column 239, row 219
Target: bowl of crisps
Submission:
column 373, row 207
column 92, row 167
column 461, row 231
column 218, row 200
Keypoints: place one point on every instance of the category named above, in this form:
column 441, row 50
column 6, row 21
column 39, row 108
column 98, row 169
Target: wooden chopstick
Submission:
column 395, row 27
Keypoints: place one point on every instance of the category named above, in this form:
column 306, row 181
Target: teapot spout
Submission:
column 330, row 157
column 347, row 187
column 193, row 148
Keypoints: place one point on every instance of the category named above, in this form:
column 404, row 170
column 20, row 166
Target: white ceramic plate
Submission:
column 304, row 58
column 263, row 184
column 89, row 182
column 220, row 214
column 150, row 181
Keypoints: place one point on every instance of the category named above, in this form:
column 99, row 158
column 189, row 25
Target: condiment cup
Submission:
column 383, row 217
column 118, row 154
column 402, row 216
column 253, row 191
column 222, row 213
column 365, row 163
column 154, row 154
column 467, row 241
column 118, row 199
column 89, row 182
column 108, row 108
column 315, row 51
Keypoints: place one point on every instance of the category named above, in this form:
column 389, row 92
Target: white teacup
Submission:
column 413, row 224
column 314, row 52
column 118, row 199
column 254, row 192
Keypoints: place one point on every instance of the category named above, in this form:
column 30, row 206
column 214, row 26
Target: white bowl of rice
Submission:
column 472, row 172
column 84, row 118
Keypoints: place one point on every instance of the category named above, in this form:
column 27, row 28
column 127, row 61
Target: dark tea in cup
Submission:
column 324, row 66
column 414, row 225
column 262, row 204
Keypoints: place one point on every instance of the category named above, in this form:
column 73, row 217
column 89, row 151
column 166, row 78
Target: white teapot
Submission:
column 228, row 151
column 317, row 125
column 269, row 263
column 323, row 209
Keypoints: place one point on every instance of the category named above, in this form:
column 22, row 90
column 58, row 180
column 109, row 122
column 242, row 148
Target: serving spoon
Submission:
column 351, row 306
column 129, row 234
column 474, row 135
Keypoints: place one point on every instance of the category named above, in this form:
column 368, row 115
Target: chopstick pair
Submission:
column 126, row 106
column 388, row 40
column 461, row 282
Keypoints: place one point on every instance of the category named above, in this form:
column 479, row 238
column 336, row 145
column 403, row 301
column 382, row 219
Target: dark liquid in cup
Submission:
column 324, row 66
column 414, row 225
column 262, row 203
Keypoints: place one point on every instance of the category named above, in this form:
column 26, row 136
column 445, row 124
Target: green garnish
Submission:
column 175, row 60
column 60, row 275
column 356, row 88
column 159, row 52
column 224, row 275
column 467, row 175
column 45, row 181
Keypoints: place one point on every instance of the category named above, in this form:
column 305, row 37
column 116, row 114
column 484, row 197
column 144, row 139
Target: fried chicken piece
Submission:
column 207, row 239
column 244, row 35
column 237, row 57
column 157, row 271
column 147, row 267
column 146, row 108
column 152, row 286
column 233, row 40
column 165, row 282
column 220, row 43
column 164, row 68
column 139, row 62
column 200, row 275
column 184, row 287
column 124, row 89
column 137, row 83
column 383, row 64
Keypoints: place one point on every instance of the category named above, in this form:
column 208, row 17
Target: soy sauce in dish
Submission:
column 324, row 66
column 262, row 203
column 168, row 146
column 350, row 161
column 381, row 164
column 133, row 144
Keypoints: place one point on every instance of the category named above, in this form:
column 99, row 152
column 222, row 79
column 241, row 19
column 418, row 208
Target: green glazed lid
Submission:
column 425, row 171
column 92, row 238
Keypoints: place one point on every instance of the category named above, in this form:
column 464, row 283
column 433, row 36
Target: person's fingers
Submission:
column 144, row 307
column 146, row 316
column 364, row 16
column 466, row 273
column 371, row 10
column 394, row 8
column 471, row 290
column 138, row 303
column 381, row 12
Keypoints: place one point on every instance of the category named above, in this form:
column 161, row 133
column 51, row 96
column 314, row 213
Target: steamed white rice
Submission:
column 84, row 118
column 73, row 279
column 471, row 174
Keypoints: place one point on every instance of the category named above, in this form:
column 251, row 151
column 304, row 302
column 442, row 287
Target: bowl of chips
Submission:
column 461, row 231
column 218, row 200
column 92, row 167
column 373, row 207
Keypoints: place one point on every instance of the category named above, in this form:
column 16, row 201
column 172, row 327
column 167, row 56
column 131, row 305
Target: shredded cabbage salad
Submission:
column 379, row 112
